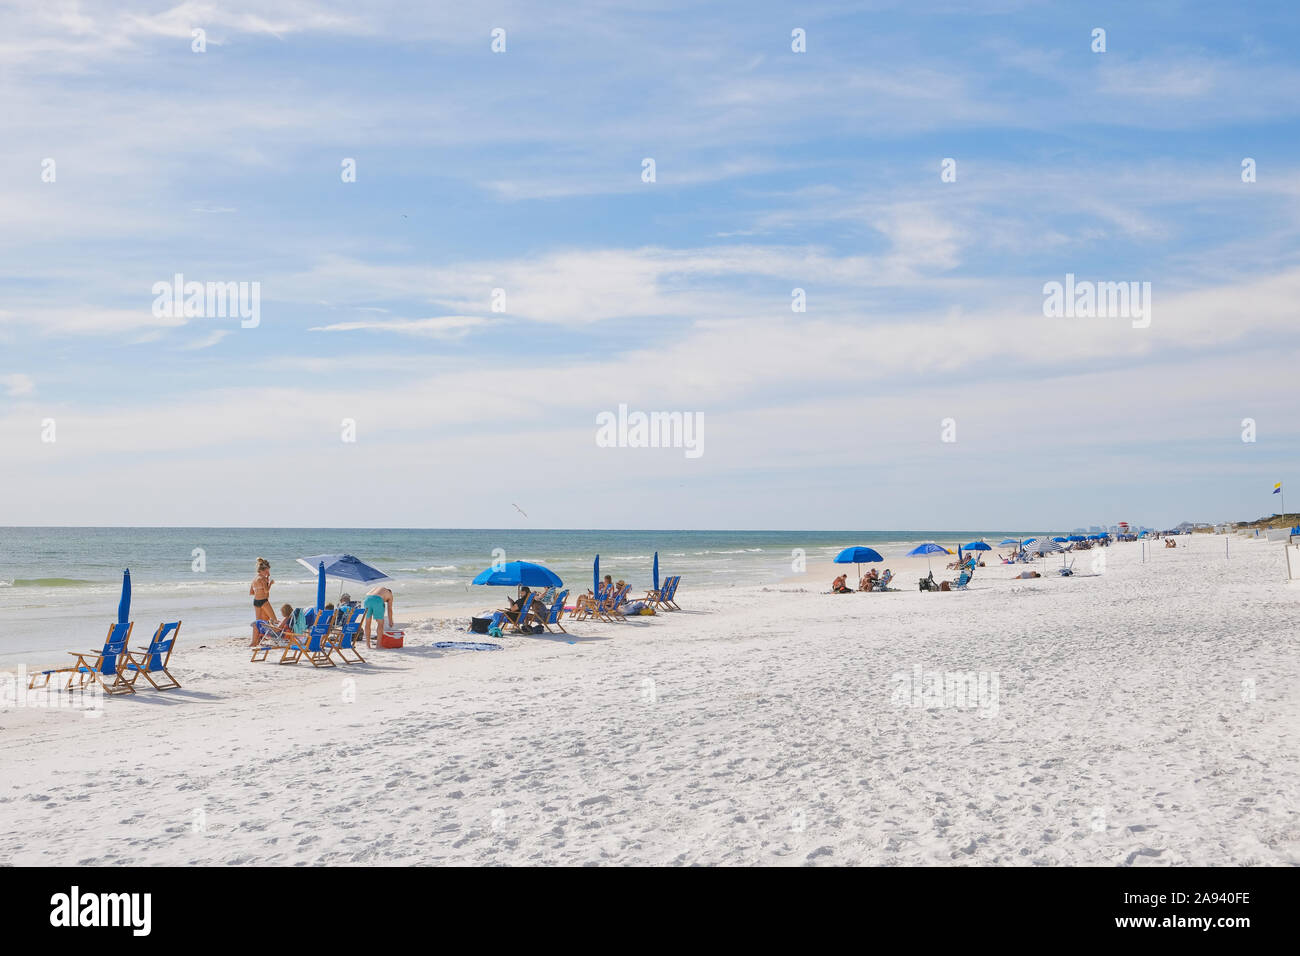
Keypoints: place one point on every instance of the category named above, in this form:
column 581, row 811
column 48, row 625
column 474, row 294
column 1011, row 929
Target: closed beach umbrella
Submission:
column 858, row 556
column 124, row 605
column 519, row 573
column 927, row 549
column 656, row 571
column 595, row 575
column 320, row 586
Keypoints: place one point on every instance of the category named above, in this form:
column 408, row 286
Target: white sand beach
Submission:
column 1145, row 715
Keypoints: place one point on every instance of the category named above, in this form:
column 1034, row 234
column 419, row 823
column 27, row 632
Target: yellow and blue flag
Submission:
column 1277, row 488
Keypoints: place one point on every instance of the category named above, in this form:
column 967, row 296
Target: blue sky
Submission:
column 521, row 171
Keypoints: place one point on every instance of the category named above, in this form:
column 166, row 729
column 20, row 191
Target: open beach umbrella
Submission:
column 124, row 605
column 1006, row 541
column 344, row 566
column 977, row 546
column 320, row 586
column 1060, row 539
column 1048, row 545
column 1076, row 537
column 656, row 571
column 520, row 573
column 858, row 556
column 927, row 549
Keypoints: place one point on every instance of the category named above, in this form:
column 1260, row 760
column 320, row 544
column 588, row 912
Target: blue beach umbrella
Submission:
column 977, row 546
column 344, row 566
column 858, row 556
column 927, row 549
column 320, row 587
column 124, row 605
column 1029, row 541
column 519, row 573
column 656, row 571
column 1059, row 539
column 595, row 575
column 1076, row 537
column 1006, row 541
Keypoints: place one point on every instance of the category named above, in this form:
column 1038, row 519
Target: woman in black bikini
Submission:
column 260, row 590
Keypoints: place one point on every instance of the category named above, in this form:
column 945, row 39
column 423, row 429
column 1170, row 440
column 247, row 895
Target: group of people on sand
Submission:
column 873, row 580
column 378, row 604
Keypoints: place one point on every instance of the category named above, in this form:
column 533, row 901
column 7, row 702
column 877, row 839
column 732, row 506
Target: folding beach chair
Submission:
column 345, row 642
column 276, row 634
column 101, row 666
column 656, row 596
column 518, row 623
column 312, row 645
column 557, row 611
column 963, row 579
column 153, row 661
column 608, row 609
column 669, row 597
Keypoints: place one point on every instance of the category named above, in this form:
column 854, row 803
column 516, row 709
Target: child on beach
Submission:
column 260, row 590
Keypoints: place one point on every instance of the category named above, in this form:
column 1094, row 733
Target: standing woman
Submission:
column 260, row 589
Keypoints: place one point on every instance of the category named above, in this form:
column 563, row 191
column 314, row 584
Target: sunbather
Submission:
column 1027, row 574
column 841, row 585
column 260, row 590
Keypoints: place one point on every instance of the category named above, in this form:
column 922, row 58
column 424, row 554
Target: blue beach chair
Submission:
column 557, row 611
column 154, row 660
column 345, row 642
column 106, row 666
column 518, row 623
column 312, row 645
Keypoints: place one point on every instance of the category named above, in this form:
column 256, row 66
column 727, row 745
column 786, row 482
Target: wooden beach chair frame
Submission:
column 346, row 640
column 154, row 658
column 113, row 654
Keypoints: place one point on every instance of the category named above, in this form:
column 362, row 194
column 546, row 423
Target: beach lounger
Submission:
column 557, row 612
column 655, row 595
column 152, row 663
column 609, row 608
column 106, row 666
column 273, row 637
column 665, row 599
column 312, row 645
column 345, row 641
column 518, row 623
column 588, row 605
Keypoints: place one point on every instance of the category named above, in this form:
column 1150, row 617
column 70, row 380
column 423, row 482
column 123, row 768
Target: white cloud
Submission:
column 16, row 384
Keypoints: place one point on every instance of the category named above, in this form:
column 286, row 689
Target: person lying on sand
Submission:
column 1027, row 574
column 841, row 585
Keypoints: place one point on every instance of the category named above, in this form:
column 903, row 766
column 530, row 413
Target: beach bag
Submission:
column 391, row 638
column 479, row 625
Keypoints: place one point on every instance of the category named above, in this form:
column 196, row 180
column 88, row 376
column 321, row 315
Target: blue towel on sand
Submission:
column 468, row 646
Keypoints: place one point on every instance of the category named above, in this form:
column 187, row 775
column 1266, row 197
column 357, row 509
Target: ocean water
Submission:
column 59, row 587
